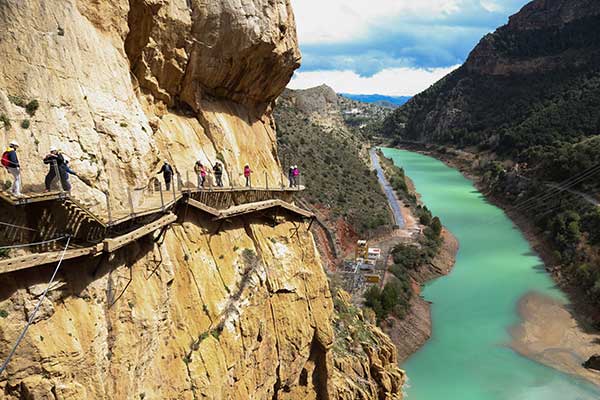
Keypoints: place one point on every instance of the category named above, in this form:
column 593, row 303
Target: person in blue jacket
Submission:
column 167, row 172
column 13, row 167
column 68, row 171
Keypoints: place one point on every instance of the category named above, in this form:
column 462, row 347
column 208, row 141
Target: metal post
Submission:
column 267, row 181
column 187, row 179
column 108, row 210
column 173, row 183
column 57, row 172
column 132, row 211
column 162, row 198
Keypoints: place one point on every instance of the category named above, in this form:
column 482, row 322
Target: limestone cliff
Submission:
column 122, row 85
column 240, row 310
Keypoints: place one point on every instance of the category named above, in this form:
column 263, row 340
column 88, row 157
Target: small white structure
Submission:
column 374, row 253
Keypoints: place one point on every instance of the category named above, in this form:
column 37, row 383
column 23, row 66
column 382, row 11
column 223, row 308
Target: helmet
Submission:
column 14, row 143
column 53, row 148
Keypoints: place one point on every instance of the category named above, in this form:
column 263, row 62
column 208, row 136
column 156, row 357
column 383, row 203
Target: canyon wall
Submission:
column 240, row 310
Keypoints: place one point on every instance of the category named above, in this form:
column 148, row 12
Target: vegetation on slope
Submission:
column 335, row 174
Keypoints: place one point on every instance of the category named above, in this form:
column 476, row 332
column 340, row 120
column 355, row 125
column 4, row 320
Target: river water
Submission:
column 467, row 357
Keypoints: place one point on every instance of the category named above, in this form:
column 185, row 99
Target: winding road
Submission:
column 387, row 189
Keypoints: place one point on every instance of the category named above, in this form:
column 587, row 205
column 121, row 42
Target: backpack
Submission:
column 5, row 159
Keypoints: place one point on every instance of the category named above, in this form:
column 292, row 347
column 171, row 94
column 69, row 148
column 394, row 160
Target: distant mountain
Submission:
column 531, row 85
column 381, row 100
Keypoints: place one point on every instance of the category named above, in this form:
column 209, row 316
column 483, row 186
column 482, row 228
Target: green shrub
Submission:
column 4, row 253
column 394, row 299
column 32, row 107
column 436, row 226
column 3, row 313
column 25, row 124
column 5, row 121
column 17, row 100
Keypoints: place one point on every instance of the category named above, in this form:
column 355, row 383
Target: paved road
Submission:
column 389, row 192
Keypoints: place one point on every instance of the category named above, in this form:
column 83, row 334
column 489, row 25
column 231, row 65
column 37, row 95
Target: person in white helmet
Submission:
column 11, row 162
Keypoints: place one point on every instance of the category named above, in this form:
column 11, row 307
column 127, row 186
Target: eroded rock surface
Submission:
column 235, row 311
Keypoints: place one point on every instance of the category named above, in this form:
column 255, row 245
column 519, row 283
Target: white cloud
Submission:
column 391, row 82
column 490, row 6
column 330, row 21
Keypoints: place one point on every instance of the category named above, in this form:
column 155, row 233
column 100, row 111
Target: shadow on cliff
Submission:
column 75, row 276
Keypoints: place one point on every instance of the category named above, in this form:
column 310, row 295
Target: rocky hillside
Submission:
column 529, row 88
column 314, row 132
column 240, row 311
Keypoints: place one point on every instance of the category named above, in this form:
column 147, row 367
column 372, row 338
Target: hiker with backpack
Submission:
column 200, row 171
column 218, row 171
column 247, row 173
column 167, row 172
column 56, row 161
column 11, row 162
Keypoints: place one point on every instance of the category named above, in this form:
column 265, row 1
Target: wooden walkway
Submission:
column 223, row 207
column 249, row 208
column 152, row 203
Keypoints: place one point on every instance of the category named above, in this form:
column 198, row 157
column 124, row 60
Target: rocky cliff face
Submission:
column 122, row 85
column 534, row 81
column 239, row 311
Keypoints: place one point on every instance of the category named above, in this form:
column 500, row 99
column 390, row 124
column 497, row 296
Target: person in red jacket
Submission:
column 247, row 173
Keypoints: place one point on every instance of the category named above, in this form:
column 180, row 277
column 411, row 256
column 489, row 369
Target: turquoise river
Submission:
column 467, row 357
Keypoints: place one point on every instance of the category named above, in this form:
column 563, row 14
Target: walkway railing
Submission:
column 153, row 198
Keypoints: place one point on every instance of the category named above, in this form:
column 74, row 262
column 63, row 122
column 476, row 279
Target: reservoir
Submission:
column 468, row 357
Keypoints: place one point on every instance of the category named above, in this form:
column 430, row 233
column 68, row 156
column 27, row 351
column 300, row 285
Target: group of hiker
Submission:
column 57, row 162
column 202, row 171
column 59, row 169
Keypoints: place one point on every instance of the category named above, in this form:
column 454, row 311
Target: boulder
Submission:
column 593, row 362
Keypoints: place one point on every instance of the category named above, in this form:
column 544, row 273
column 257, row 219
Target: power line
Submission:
column 556, row 191
column 18, row 226
column 37, row 307
column 18, row 246
column 560, row 187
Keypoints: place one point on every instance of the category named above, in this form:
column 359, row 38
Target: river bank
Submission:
column 535, row 336
column 415, row 329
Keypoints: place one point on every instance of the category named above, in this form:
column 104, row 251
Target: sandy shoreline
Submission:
column 549, row 334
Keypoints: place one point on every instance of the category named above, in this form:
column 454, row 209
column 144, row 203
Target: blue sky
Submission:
column 392, row 47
